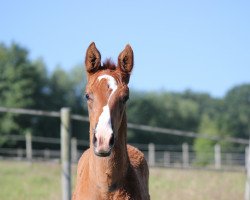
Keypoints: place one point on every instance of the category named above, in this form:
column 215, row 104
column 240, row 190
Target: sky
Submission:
column 178, row 45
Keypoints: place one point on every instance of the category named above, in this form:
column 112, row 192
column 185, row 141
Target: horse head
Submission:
column 106, row 93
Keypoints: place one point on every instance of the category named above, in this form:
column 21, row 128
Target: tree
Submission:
column 237, row 115
column 204, row 148
column 17, row 84
column 163, row 110
column 26, row 84
column 63, row 89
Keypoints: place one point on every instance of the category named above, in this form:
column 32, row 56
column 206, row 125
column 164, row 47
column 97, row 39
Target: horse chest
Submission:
column 89, row 194
column 89, row 191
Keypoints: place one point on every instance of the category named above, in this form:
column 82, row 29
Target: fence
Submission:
column 185, row 158
column 130, row 125
column 173, row 156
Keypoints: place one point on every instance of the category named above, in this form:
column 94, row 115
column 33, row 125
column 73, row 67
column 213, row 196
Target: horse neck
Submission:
column 110, row 171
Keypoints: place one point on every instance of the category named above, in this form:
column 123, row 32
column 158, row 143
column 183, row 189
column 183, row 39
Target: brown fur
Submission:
column 124, row 173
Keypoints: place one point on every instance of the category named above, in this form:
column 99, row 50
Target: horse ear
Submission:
column 92, row 59
column 126, row 61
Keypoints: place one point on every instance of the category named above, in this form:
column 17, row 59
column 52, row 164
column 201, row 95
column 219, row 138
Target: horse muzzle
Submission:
column 103, row 143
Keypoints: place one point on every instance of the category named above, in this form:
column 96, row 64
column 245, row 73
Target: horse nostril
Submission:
column 94, row 140
column 112, row 140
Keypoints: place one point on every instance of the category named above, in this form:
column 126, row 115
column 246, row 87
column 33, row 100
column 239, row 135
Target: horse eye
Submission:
column 87, row 96
column 125, row 99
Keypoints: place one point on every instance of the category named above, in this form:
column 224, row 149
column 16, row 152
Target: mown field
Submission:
column 41, row 181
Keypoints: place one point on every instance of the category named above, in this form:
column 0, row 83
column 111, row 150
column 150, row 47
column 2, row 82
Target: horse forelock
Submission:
column 109, row 64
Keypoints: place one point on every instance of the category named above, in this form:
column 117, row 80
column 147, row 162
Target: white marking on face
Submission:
column 111, row 83
column 104, row 126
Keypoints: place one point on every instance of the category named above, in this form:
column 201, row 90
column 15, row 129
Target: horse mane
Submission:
column 109, row 64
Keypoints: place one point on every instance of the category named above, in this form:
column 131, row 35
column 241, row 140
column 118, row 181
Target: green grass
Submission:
column 173, row 184
column 41, row 181
column 26, row 181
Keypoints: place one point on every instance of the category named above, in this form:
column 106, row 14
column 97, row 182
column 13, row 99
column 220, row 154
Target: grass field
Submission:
column 41, row 181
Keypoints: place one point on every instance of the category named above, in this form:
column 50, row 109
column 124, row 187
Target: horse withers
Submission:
column 110, row 169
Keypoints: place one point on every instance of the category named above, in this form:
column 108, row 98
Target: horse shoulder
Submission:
column 137, row 159
column 139, row 167
column 83, row 163
column 82, row 175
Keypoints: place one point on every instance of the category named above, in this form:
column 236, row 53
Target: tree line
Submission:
column 26, row 83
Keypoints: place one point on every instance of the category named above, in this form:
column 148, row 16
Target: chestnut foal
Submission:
column 110, row 169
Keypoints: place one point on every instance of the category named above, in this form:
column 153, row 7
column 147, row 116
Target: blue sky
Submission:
column 178, row 45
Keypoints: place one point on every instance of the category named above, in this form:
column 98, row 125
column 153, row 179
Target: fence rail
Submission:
column 130, row 125
column 173, row 156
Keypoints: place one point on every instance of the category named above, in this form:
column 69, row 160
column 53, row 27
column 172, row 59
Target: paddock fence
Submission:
column 182, row 156
column 170, row 156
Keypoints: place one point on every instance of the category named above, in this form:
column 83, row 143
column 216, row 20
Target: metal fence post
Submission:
column 247, row 189
column 166, row 159
column 74, row 154
column 46, row 154
column 246, row 156
column 185, row 155
column 28, row 139
column 20, row 154
column 151, row 154
column 66, row 153
column 217, row 156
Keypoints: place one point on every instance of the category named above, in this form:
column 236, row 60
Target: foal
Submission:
column 110, row 169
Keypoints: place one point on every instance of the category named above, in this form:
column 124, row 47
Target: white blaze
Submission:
column 111, row 83
column 104, row 126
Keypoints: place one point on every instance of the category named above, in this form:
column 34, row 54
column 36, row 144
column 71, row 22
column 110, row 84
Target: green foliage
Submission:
column 26, row 84
column 164, row 110
column 237, row 116
column 17, row 84
column 63, row 89
column 204, row 148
